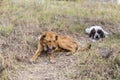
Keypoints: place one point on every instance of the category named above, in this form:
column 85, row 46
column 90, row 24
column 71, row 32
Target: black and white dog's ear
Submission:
column 105, row 33
column 92, row 33
column 101, row 33
column 87, row 30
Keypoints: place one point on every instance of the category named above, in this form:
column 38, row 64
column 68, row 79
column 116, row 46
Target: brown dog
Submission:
column 51, row 42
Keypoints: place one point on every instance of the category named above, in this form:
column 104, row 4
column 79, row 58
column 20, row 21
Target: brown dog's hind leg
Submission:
column 71, row 49
column 37, row 53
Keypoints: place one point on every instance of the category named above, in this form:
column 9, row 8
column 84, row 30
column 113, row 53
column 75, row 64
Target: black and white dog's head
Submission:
column 96, row 33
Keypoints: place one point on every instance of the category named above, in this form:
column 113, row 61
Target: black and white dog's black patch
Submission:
column 96, row 33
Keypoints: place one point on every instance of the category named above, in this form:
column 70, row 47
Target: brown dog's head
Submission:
column 48, row 40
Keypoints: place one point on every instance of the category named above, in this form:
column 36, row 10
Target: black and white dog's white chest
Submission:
column 96, row 33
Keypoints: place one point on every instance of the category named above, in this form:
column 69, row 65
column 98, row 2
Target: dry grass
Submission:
column 21, row 22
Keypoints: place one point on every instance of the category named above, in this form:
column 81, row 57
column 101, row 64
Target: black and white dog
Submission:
column 96, row 33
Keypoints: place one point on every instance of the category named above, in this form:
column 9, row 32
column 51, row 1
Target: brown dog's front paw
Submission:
column 31, row 61
column 52, row 61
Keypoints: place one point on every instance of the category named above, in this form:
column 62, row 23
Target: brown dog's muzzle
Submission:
column 51, row 50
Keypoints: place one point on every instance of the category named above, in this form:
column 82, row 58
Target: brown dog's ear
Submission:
column 41, row 37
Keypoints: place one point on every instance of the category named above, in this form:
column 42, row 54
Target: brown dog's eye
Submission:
column 56, row 37
column 49, row 41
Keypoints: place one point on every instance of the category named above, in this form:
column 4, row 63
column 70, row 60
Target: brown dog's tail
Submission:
column 88, row 46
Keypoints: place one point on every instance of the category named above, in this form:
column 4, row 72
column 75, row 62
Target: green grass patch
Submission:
column 77, row 28
column 34, row 12
column 4, row 75
column 5, row 30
